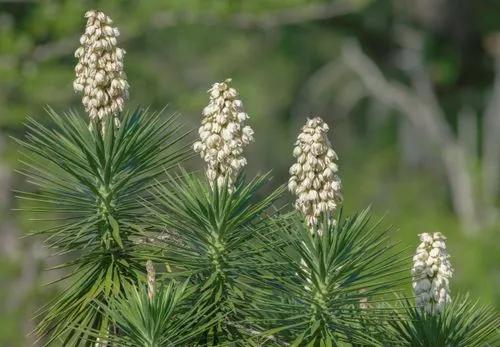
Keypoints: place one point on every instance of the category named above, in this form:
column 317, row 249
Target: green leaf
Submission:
column 108, row 280
column 115, row 230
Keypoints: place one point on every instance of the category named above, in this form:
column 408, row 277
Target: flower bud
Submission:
column 223, row 135
column 312, row 177
column 99, row 72
column 431, row 273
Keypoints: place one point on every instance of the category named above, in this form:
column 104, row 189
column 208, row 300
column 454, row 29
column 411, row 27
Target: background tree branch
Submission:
column 421, row 107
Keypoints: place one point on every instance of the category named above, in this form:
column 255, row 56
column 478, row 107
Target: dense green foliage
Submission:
column 463, row 323
column 317, row 288
column 165, row 320
column 235, row 274
column 93, row 181
column 209, row 235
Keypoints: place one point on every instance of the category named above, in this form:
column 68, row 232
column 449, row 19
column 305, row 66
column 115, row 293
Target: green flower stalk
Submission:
column 151, row 279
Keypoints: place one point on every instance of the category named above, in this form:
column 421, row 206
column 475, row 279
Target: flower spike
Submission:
column 431, row 273
column 223, row 135
column 99, row 71
column 313, row 178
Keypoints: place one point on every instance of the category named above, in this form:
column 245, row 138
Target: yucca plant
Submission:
column 320, row 272
column 209, row 224
column 209, row 235
column 90, row 176
column 436, row 319
column 322, row 290
column 92, row 182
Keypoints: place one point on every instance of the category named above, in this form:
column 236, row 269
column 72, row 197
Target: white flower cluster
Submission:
column 223, row 135
column 99, row 72
column 431, row 273
column 313, row 177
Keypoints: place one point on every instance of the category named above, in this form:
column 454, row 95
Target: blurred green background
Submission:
column 411, row 89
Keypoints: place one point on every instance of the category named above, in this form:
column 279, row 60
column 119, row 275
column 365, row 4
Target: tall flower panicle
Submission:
column 223, row 135
column 151, row 278
column 431, row 273
column 313, row 178
column 99, row 71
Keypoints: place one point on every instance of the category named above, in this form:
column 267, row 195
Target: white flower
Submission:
column 313, row 177
column 223, row 135
column 99, row 72
column 431, row 273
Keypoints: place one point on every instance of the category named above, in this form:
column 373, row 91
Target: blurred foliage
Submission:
column 271, row 48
